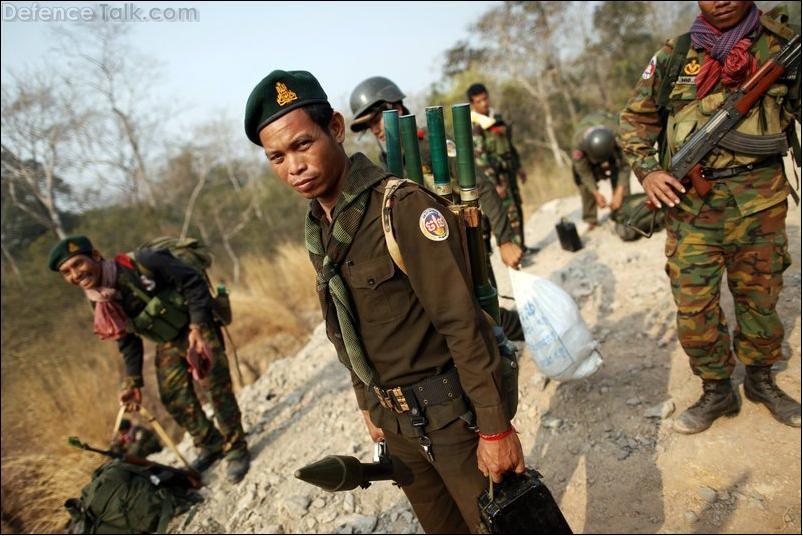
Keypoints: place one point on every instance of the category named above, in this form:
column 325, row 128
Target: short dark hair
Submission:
column 321, row 114
column 476, row 89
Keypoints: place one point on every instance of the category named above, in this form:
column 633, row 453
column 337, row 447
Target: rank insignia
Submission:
column 685, row 81
column 692, row 68
column 433, row 225
column 284, row 95
column 72, row 247
column 649, row 70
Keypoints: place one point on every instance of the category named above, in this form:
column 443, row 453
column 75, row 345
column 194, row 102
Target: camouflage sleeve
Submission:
column 582, row 169
column 624, row 167
column 640, row 122
column 483, row 159
column 130, row 346
column 492, row 206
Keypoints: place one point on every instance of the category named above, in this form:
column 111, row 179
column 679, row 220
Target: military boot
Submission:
column 238, row 466
column 759, row 386
column 719, row 398
column 206, row 457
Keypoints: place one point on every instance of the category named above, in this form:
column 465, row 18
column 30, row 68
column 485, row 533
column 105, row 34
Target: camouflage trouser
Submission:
column 512, row 202
column 178, row 395
column 753, row 250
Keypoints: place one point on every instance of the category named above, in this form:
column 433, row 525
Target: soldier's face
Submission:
column 481, row 103
column 82, row 271
column 305, row 156
column 724, row 15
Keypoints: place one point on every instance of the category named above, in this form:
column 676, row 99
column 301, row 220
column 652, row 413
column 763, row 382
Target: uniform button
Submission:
column 371, row 281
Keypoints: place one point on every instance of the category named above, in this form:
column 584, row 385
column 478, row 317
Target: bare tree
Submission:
column 518, row 37
column 41, row 121
column 113, row 73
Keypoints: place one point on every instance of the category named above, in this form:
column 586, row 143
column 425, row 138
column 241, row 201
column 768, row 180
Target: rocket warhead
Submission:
column 343, row 473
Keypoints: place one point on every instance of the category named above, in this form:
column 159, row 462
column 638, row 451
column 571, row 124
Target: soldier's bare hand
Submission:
column 618, row 198
column 511, row 254
column 601, row 201
column 499, row 457
column 501, row 190
column 661, row 187
column 374, row 431
column 131, row 399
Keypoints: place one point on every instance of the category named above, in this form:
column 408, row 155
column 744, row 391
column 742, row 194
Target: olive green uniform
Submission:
column 413, row 328
column 587, row 174
column 738, row 227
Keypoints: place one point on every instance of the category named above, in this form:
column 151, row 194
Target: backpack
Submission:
column 196, row 254
column 122, row 498
column 633, row 213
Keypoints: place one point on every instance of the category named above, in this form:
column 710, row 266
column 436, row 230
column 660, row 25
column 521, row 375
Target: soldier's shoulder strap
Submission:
column 392, row 185
column 676, row 61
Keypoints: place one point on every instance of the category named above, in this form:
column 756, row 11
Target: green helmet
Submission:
column 369, row 93
column 598, row 144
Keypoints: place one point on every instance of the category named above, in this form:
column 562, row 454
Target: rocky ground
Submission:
column 604, row 444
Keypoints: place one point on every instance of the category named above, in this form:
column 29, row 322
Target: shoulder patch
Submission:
column 433, row 225
column 649, row 70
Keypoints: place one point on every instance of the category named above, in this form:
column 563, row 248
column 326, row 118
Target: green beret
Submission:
column 277, row 94
column 69, row 247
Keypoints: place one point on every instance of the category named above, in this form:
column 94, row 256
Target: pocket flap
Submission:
column 372, row 273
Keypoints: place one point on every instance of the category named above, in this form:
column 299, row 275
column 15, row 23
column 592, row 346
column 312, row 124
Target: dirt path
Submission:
column 611, row 468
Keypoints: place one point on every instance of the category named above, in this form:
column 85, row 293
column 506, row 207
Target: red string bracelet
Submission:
column 499, row 436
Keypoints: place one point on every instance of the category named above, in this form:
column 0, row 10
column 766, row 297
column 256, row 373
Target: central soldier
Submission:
column 423, row 360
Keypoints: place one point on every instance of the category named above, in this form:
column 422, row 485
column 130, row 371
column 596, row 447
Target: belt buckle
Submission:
column 384, row 400
column 401, row 402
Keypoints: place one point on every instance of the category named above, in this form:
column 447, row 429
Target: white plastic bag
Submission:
column 556, row 334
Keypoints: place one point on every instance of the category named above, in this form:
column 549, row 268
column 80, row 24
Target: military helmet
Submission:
column 369, row 93
column 598, row 144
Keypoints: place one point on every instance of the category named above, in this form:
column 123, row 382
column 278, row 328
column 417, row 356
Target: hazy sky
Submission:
column 214, row 63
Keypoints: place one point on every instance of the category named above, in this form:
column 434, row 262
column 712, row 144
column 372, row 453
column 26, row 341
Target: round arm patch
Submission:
column 433, row 225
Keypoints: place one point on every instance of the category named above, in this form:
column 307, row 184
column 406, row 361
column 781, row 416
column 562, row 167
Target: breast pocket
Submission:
column 379, row 294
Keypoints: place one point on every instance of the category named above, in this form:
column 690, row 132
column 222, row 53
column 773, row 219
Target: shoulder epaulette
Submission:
column 776, row 19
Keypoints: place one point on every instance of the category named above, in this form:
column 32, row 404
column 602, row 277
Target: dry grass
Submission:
column 545, row 183
column 66, row 382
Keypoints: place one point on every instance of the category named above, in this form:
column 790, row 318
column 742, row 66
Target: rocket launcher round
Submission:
column 393, row 142
column 438, row 152
column 343, row 473
column 412, row 155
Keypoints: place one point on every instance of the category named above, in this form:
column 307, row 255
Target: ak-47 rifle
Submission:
column 189, row 478
column 685, row 164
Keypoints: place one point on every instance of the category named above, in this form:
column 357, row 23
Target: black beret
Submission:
column 277, row 94
column 69, row 247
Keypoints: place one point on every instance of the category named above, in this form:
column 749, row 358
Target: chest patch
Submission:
column 692, row 68
column 433, row 225
column 685, row 81
column 649, row 70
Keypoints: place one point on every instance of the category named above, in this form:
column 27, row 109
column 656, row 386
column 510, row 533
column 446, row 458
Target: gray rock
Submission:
column 407, row 516
column 348, row 503
column 310, row 522
column 295, row 505
column 552, row 423
column 690, row 517
column 327, row 515
column 604, row 390
column 272, row 529
column 635, row 401
column 540, row 381
column 318, row 503
column 660, row 411
column 622, row 454
column 707, row 494
column 359, row 524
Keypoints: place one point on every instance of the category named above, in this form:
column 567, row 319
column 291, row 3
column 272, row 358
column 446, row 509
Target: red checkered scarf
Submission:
column 727, row 55
column 110, row 319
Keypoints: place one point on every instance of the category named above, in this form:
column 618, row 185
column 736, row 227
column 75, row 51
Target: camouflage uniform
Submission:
column 587, row 174
column 738, row 227
column 497, row 158
column 178, row 395
column 175, row 381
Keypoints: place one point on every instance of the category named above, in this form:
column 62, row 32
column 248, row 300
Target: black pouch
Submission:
column 567, row 234
column 521, row 504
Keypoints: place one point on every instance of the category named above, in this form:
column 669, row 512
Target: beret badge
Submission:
column 284, row 95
